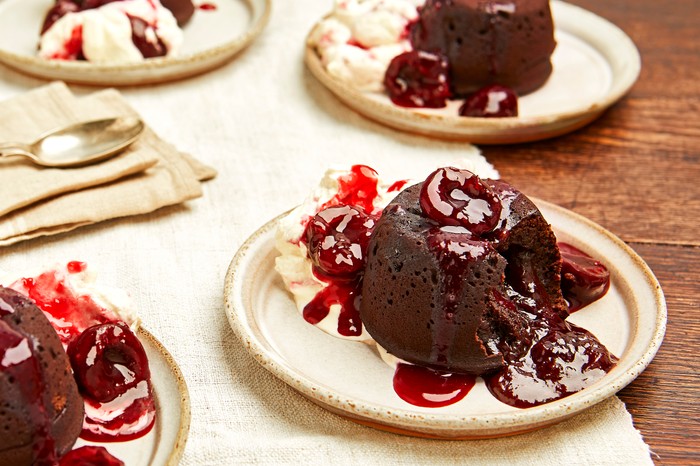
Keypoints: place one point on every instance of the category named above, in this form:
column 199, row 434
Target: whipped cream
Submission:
column 105, row 33
column 359, row 38
column 293, row 263
column 74, row 281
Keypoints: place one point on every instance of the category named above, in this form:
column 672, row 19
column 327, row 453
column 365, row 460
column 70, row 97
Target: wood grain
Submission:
column 636, row 171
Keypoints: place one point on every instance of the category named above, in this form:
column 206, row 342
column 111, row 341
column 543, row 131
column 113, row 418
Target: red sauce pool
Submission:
column 422, row 386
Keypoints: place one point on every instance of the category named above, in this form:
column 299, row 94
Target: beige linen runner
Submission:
column 40, row 201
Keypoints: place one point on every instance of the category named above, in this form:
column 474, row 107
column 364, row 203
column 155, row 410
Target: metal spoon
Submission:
column 79, row 144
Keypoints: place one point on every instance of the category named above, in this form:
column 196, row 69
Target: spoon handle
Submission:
column 11, row 149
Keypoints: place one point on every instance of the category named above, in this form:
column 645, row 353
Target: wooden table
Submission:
column 636, row 171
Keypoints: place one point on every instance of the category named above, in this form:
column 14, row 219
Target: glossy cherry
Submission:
column 357, row 187
column 107, row 360
column 583, row 279
column 455, row 197
column 491, row 102
column 145, row 38
column 89, row 455
column 418, row 79
column 337, row 238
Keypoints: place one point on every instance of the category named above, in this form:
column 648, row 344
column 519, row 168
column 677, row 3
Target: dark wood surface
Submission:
column 636, row 171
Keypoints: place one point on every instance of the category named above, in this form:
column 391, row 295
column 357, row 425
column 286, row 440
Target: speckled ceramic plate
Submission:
column 165, row 443
column 212, row 38
column 595, row 64
column 349, row 378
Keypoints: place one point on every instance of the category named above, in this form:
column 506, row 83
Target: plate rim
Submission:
column 94, row 74
column 483, row 130
column 185, row 406
column 442, row 425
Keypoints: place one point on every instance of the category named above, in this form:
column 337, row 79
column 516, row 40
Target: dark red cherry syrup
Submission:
column 89, row 456
column 454, row 252
column 422, row 386
column 207, row 6
column 565, row 361
column 346, row 294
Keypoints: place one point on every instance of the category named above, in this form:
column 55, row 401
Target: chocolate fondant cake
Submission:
column 439, row 295
column 41, row 411
column 489, row 42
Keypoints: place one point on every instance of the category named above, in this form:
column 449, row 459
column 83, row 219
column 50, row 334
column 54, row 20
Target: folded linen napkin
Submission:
column 37, row 201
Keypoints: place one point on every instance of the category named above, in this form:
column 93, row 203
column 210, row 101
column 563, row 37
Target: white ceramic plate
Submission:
column 165, row 443
column 349, row 378
column 595, row 64
column 211, row 39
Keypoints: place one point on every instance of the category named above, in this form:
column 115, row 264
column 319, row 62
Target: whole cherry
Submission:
column 107, row 361
column 491, row 102
column 337, row 239
column 583, row 279
column 455, row 197
column 418, row 79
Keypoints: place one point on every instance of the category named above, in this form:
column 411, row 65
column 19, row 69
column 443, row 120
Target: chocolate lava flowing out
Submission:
column 543, row 357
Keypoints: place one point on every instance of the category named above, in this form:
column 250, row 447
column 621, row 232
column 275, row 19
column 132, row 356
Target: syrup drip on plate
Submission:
column 344, row 294
column 429, row 388
column 89, row 455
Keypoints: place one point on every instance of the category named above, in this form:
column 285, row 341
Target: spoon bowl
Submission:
column 78, row 144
